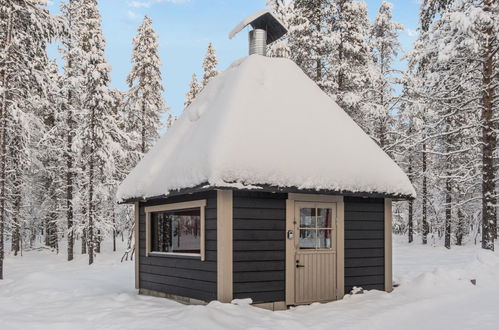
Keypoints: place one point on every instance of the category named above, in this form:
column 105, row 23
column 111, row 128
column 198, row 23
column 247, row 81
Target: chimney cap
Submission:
column 265, row 20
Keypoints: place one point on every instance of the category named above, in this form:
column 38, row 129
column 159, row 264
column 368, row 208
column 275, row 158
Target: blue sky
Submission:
column 186, row 26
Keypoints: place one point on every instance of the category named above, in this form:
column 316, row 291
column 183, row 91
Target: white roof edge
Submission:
column 250, row 19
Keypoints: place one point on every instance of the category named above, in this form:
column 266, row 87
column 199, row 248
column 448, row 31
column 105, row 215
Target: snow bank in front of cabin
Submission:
column 264, row 122
column 44, row 291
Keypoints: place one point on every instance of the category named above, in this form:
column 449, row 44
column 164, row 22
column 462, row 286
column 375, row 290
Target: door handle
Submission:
column 300, row 266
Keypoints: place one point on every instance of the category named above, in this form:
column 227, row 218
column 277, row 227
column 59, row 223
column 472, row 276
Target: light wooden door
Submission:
column 315, row 256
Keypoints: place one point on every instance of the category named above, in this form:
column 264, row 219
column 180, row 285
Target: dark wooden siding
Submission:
column 182, row 276
column 259, row 246
column 364, row 243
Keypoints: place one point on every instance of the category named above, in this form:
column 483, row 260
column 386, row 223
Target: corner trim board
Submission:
column 388, row 245
column 224, row 246
column 290, row 253
column 340, row 249
column 137, row 247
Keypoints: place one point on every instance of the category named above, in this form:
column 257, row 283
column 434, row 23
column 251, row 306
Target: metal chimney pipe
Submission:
column 258, row 42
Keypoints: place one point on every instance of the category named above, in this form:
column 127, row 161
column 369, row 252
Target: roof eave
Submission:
column 273, row 189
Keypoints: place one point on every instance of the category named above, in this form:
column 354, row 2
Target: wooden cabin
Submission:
column 266, row 189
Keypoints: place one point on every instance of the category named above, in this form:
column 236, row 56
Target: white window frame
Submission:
column 201, row 204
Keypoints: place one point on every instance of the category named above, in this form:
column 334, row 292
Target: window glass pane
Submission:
column 307, row 239
column 307, row 217
column 186, row 231
column 324, row 239
column 324, row 218
column 176, row 231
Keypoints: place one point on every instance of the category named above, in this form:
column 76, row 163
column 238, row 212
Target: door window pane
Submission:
column 307, row 218
column 307, row 239
column 176, row 231
column 324, row 218
column 324, row 239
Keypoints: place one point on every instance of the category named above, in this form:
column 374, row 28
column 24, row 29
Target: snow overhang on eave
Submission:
column 268, row 188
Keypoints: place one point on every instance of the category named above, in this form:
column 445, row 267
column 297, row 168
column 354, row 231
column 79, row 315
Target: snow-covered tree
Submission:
column 453, row 74
column 145, row 97
column 170, row 120
column 384, row 44
column 283, row 10
column 310, row 39
column 25, row 29
column 350, row 60
column 72, row 82
column 100, row 130
column 194, row 89
column 210, row 63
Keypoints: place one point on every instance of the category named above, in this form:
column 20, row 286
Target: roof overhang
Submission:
column 272, row 189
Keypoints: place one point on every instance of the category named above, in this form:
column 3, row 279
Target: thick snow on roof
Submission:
column 264, row 122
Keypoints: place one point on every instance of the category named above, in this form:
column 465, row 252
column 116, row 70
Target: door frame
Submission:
column 290, row 243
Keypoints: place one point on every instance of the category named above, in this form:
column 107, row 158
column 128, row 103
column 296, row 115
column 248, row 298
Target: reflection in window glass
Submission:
column 324, row 239
column 307, row 217
column 307, row 239
column 324, row 218
column 176, row 231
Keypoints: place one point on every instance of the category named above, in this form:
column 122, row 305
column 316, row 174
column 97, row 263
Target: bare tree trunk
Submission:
column 489, row 141
column 98, row 240
column 114, row 230
column 460, row 227
column 84, row 242
column 448, row 211
column 410, row 220
column 90, row 225
column 143, row 133
column 425, row 198
column 16, row 221
column 46, row 224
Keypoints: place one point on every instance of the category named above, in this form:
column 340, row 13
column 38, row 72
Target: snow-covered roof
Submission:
column 263, row 122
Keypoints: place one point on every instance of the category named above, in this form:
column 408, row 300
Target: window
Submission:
column 316, row 228
column 176, row 229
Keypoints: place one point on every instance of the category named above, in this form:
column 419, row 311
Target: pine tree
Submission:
column 311, row 38
column 25, row 28
column 283, row 10
column 194, row 89
column 145, row 99
column 100, row 130
column 350, row 60
column 453, row 77
column 210, row 63
column 71, row 82
column 170, row 120
column 383, row 41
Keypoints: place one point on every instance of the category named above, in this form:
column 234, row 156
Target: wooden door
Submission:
column 315, row 252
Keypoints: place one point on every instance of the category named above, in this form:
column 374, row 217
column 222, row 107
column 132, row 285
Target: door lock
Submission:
column 298, row 264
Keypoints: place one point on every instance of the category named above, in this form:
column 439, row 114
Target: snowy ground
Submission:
column 43, row 291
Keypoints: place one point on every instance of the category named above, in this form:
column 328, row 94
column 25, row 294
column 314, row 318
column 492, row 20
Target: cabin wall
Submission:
column 364, row 243
column 181, row 275
column 259, row 224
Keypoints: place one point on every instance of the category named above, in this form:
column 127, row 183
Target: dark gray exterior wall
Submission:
column 182, row 276
column 259, row 225
column 259, row 247
column 364, row 243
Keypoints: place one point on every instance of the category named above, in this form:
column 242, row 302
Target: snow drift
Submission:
column 264, row 122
